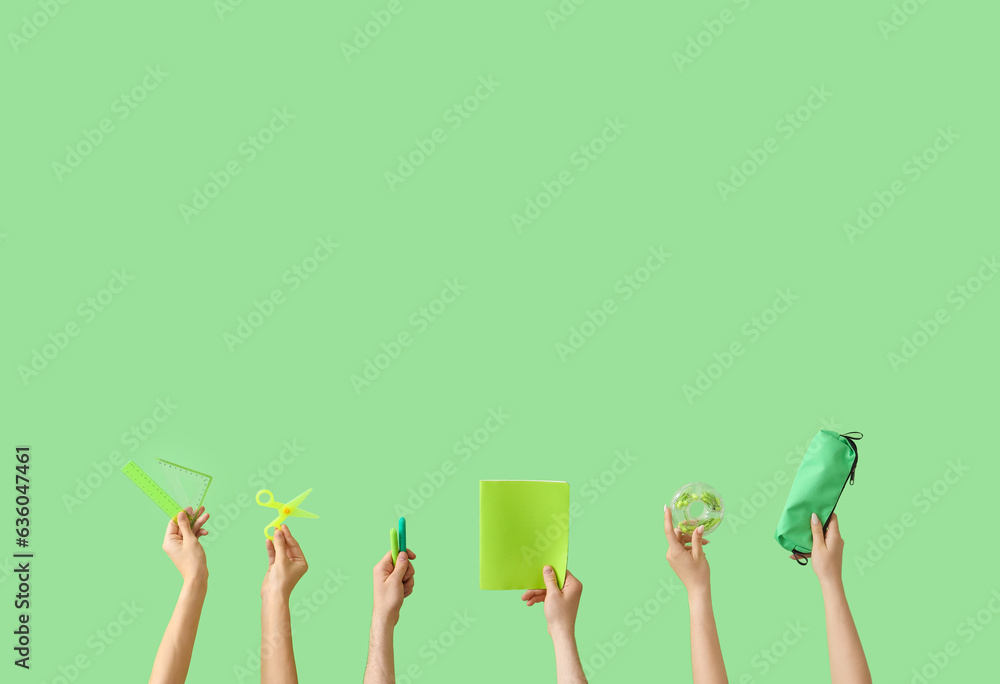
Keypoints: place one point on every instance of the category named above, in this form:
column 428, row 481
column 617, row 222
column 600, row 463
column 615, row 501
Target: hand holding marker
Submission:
column 397, row 540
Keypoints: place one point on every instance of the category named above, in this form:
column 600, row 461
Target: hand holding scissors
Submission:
column 285, row 510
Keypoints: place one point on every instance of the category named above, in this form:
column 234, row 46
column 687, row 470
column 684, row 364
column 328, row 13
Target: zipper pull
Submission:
column 852, row 474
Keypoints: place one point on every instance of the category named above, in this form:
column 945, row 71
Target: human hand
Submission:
column 181, row 543
column 391, row 584
column 689, row 562
column 827, row 550
column 561, row 606
column 286, row 564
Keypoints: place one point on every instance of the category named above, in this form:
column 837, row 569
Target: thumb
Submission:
column 184, row 524
column 279, row 545
column 402, row 562
column 549, row 575
column 817, row 530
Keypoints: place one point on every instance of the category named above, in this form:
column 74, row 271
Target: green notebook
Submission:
column 523, row 526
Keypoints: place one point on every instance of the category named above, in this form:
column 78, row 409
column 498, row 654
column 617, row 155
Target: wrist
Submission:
column 700, row 593
column 831, row 585
column 197, row 581
column 275, row 595
column 562, row 633
column 383, row 624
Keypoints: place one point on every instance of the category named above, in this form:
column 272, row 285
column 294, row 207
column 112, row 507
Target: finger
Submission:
column 172, row 531
column 280, row 550
column 402, row 563
column 294, row 550
column 549, row 575
column 697, row 552
column 572, row 583
column 384, row 567
column 407, row 588
column 202, row 533
column 834, row 529
column 185, row 525
column 817, row 530
column 797, row 556
column 686, row 539
column 200, row 521
column 537, row 594
column 269, row 545
column 411, row 554
column 668, row 527
column 410, row 572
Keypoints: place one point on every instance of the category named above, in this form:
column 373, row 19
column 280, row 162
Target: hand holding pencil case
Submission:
column 826, row 469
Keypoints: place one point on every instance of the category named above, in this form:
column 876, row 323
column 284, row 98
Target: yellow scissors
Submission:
column 285, row 510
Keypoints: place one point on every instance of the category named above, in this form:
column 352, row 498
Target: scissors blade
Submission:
column 294, row 503
column 299, row 513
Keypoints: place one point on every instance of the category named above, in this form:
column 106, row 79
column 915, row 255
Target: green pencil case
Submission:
column 828, row 465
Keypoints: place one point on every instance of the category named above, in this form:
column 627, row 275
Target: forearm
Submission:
column 568, row 667
column 848, row 664
column 173, row 658
column 380, row 668
column 707, row 665
column 277, row 660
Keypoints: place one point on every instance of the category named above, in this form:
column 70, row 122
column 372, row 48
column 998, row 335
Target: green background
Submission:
column 824, row 362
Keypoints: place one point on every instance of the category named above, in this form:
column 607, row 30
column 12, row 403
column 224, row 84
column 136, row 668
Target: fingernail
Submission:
column 701, row 529
column 815, row 518
column 665, row 507
column 548, row 570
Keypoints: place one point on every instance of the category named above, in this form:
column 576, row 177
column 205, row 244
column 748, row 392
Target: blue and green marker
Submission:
column 397, row 540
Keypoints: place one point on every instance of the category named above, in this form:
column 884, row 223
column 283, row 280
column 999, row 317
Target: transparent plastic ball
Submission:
column 697, row 504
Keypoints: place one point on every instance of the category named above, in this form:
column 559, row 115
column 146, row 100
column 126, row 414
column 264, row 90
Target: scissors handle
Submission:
column 273, row 525
column 270, row 498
